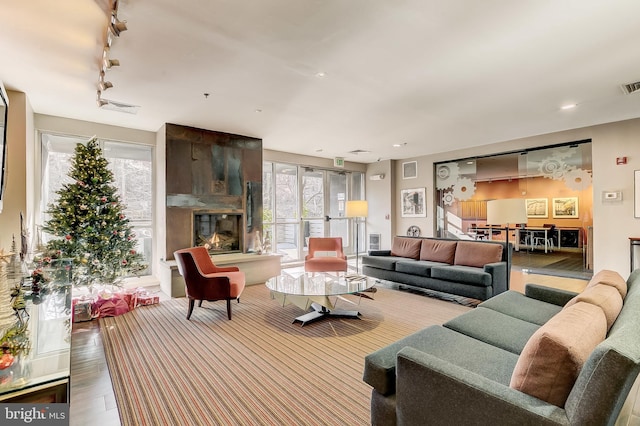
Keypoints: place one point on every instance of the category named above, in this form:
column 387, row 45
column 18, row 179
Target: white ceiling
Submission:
column 431, row 75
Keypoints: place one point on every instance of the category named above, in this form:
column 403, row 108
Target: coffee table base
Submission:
column 322, row 312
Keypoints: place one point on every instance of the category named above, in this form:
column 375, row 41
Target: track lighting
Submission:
column 117, row 26
column 108, row 63
column 103, row 84
column 109, row 39
column 99, row 101
column 114, row 28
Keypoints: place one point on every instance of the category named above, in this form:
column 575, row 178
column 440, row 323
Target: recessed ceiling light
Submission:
column 568, row 106
column 258, row 110
column 396, row 145
column 321, row 74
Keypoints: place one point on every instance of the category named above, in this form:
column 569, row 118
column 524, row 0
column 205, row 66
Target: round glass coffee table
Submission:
column 314, row 290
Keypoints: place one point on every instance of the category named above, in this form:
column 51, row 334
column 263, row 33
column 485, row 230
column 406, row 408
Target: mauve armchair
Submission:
column 205, row 281
column 315, row 263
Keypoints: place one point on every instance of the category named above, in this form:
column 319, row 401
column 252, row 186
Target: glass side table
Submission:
column 41, row 374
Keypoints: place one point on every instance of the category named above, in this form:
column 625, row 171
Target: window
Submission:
column 296, row 202
column 131, row 165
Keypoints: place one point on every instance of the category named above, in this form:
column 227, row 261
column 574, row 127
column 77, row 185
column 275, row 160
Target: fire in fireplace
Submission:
column 218, row 232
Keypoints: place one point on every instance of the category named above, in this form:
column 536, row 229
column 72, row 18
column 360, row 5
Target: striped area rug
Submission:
column 259, row 368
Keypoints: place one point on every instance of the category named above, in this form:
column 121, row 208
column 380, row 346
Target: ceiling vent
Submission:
column 359, row 151
column 119, row 106
column 631, row 87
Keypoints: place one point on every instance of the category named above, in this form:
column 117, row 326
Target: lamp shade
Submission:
column 510, row 210
column 357, row 208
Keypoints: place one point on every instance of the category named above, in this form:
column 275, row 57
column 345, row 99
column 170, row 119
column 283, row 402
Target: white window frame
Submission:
column 41, row 193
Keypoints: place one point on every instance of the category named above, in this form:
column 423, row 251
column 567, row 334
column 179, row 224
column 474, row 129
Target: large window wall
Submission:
column 554, row 183
column 132, row 168
column 302, row 202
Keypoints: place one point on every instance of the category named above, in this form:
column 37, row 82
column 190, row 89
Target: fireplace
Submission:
column 219, row 232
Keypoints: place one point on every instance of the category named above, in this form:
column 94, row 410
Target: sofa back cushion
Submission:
column 553, row 357
column 438, row 250
column 605, row 296
column 477, row 254
column 611, row 278
column 406, row 247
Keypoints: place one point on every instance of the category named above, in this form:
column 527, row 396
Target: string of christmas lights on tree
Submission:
column 89, row 224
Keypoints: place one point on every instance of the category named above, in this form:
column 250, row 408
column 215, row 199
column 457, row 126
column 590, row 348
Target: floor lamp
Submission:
column 357, row 209
column 509, row 210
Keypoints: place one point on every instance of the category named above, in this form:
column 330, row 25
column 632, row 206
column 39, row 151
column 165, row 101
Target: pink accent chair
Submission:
column 205, row 281
column 313, row 263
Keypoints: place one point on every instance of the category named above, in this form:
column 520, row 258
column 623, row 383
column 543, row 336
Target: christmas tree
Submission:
column 89, row 224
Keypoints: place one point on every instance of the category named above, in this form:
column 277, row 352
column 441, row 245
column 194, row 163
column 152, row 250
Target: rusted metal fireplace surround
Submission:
column 219, row 232
column 213, row 190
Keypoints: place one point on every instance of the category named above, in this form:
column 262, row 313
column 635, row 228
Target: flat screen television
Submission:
column 4, row 114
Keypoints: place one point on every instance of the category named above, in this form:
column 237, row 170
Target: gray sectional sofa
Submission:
column 474, row 269
column 546, row 357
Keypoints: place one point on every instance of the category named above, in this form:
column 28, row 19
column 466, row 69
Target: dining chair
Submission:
column 206, row 281
column 540, row 241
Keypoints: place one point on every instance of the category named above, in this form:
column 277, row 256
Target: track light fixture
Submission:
column 109, row 63
column 109, row 39
column 103, row 84
column 117, row 26
column 99, row 101
column 114, row 28
column 106, row 62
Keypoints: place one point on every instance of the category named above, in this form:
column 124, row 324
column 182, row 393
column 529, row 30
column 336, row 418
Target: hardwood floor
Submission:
column 93, row 401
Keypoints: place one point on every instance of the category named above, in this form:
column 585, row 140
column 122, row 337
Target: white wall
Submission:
column 381, row 219
column 613, row 223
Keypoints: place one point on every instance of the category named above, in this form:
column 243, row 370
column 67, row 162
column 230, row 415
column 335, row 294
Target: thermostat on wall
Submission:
column 611, row 196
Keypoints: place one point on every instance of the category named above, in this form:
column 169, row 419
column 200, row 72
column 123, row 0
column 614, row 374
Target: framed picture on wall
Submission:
column 414, row 202
column 565, row 208
column 537, row 207
column 410, row 170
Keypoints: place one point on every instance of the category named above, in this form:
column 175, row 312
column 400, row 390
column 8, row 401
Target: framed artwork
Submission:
column 414, row 202
column 636, row 194
column 410, row 170
column 565, row 208
column 537, row 207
